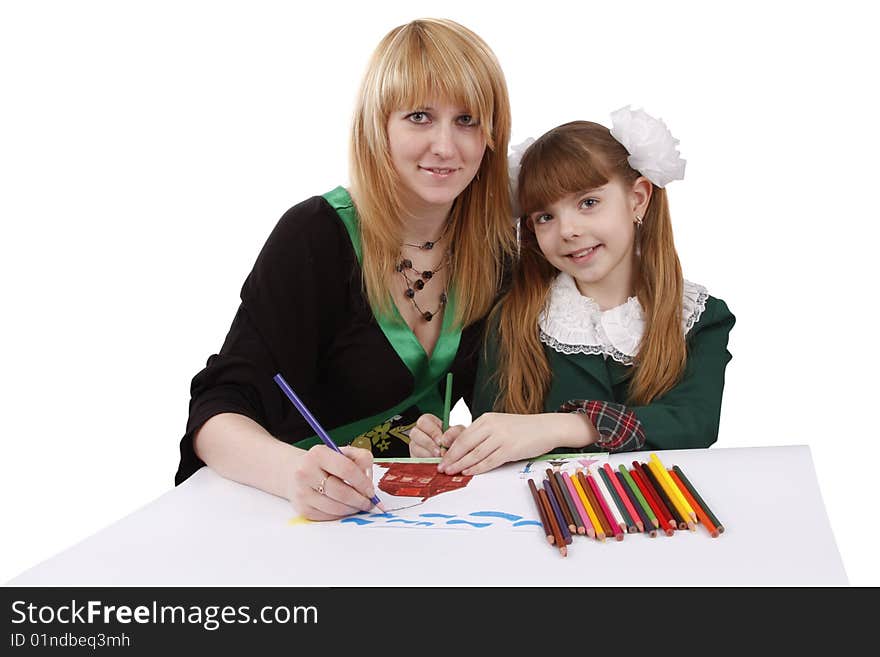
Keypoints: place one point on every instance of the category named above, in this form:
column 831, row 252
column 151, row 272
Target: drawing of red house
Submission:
column 419, row 480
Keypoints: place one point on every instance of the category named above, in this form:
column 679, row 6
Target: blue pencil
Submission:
column 318, row 429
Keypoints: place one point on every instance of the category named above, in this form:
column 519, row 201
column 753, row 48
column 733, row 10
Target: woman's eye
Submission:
column 417, row 117
column 468, row 120
column 589, row 203
column 542, row 218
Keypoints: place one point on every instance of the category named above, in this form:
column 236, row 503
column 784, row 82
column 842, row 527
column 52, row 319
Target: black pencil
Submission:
column 699, row 499
column 680, row 522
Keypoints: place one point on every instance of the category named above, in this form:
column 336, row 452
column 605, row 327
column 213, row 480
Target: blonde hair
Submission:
column 572, row 158
column 412, row 64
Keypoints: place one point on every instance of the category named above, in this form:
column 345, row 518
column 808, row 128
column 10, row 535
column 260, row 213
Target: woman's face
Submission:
column 436, row 150
column 590, row 235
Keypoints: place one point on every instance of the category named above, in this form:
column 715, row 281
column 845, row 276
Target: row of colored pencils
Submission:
column 609, row 504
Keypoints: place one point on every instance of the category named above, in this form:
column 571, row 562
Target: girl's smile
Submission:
column 590, row 235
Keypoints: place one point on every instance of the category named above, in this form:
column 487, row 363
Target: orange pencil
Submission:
column 704, row 519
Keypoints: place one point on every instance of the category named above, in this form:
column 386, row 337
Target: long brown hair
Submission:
column 413, row 63
column 572, row 158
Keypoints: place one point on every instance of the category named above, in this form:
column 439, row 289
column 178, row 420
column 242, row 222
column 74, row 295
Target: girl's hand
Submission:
column 427, row 438
column 324, row 485
column 498, row 438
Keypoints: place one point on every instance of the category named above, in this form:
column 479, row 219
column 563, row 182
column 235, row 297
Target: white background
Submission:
column 148, row 148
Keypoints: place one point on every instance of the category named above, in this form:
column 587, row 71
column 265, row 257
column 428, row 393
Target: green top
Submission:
column 427, row 372
column 687, row 416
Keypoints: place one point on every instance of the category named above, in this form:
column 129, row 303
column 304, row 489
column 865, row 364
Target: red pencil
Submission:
column 624, row 498
column 655, row 504
column 549, row 532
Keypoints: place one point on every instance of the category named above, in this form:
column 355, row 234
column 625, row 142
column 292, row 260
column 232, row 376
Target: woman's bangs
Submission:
column 422, row 72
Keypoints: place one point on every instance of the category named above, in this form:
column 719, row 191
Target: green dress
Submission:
column 590, row 355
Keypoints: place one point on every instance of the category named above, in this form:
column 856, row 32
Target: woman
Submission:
column 364, row 298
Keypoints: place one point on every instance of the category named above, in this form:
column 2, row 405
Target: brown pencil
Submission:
column 566, row 513
column 597, row 508
column 541, row 512
column 557, row 533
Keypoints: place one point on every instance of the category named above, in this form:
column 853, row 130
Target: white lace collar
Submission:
column 574, row 324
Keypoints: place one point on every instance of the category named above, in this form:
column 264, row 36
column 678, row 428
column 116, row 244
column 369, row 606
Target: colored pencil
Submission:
column 600, row 500
column 594, row 529
column 648, row 481
column 674, row 491
column 627, row 524
column 578, row 507
column 699, row 499
column 663, row 521
column 447, row 402
column 569, row 503
column 680, row 522
column 566, row 514
column 548, row 531
column 643, row 522
column 557, row 511
column 621, row 493
column 640, row 497
column 701, row 515
column 557, row 533
column 316, row 427
column 607, row 531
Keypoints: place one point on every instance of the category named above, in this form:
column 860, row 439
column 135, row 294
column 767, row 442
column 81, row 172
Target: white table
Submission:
column 211, row 531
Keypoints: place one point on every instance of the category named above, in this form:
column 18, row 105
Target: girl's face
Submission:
column 591, row 236
column 436, row 150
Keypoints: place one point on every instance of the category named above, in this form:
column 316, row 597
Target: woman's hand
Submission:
column 498, row 438
column 325, row 485
column 427, row 438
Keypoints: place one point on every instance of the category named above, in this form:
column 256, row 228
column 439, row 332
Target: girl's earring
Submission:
column 638, row 241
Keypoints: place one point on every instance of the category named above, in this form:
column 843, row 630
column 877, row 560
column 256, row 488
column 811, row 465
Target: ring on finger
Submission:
column 319, row 489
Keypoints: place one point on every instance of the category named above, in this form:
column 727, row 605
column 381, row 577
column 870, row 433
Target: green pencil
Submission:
column 627, row 477
column 447, row 402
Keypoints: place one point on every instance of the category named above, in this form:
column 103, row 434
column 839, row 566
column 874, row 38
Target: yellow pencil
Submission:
column 679, row 495
column 670, row 493
column 597, row 527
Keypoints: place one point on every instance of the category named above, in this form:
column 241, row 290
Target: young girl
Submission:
column 364, row 298
column 599, row 344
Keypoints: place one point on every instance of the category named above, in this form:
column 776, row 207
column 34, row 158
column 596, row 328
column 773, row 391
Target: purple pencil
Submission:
column 313, row 423
column 563, row 527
